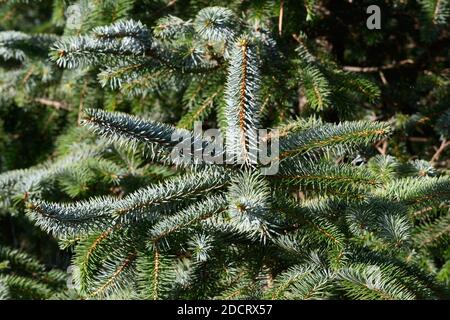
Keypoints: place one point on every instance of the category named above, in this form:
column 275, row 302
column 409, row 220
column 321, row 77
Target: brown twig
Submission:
column 381, row 146
column 383, row 78
column 418, row 139
column 58, row 105
column 296, row 38
column 377, row 69
column 28, row 75
column 280, row 18
column 168, row 5
column 437, row 154
column 80, row 106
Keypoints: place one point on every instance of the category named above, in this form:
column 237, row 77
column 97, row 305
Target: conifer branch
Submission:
column 242, row 101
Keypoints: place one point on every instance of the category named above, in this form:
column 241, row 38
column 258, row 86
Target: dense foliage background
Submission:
column 319, row 64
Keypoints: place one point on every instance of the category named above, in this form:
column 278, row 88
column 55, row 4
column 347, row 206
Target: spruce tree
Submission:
column 340, row 218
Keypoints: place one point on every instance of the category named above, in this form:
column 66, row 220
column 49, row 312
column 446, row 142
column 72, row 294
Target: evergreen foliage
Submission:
column 23, row 277
column 351, row 213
